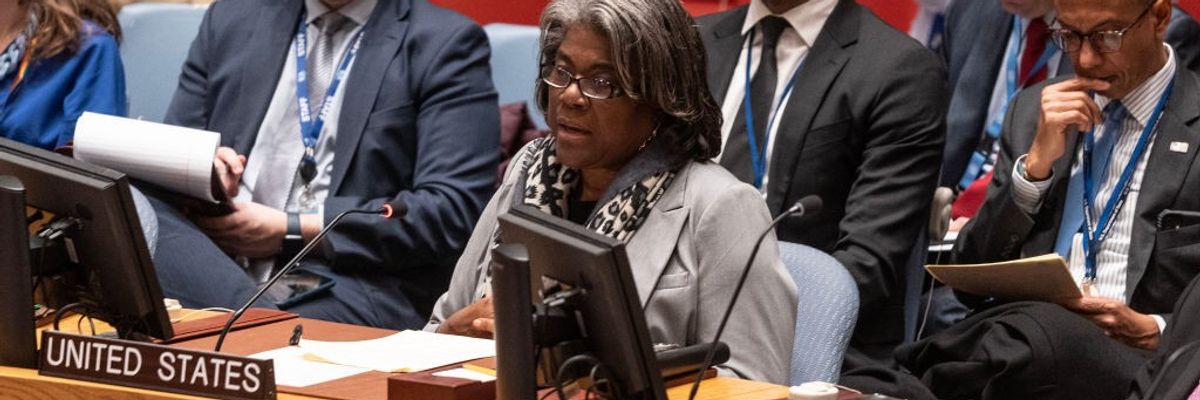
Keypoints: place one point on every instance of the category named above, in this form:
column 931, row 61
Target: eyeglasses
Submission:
column 1103, row 41
column 592, row 87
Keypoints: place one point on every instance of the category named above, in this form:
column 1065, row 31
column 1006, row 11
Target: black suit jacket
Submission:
column 1161, row 262
column 863, row 130
column 1183, row 374
column 419, row 124
column 977, row 33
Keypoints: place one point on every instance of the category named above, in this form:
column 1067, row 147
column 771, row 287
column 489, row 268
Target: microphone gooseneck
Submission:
column 808, row 205
column 391, row 210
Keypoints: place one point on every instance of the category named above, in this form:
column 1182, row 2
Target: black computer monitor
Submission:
column 547, row 257
column 110, row 271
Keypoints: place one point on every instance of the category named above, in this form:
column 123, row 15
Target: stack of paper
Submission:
column 407, row 351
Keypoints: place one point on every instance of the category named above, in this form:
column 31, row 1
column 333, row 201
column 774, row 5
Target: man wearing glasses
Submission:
column 1087, row 164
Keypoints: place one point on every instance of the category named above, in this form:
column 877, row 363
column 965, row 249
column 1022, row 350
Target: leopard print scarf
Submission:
column 629, row 199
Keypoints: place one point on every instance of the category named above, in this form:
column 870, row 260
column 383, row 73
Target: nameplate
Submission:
column 156, row 367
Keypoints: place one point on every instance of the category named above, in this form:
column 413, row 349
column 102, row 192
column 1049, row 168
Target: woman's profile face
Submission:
column 593, row 133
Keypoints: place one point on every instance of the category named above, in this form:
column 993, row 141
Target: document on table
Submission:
column 407, row 351
column 1043, row 278
column 172, row 157
column 291, row 369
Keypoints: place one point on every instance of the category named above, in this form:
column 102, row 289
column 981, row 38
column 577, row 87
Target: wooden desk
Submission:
column 21, row 383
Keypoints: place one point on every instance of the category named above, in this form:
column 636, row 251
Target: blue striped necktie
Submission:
column 1072, row 220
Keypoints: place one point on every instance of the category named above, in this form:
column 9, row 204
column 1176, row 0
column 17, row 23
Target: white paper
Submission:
column 291, row 369
column 175, row 158
column 463, row 373
column 407, row 351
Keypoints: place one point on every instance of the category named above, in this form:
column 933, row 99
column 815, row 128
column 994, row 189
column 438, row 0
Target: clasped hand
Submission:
column 1118, row 321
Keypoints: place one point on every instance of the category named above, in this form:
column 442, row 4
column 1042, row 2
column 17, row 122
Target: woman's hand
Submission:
column 475, row 320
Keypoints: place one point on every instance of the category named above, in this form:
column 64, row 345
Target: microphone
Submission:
column 808, row 205
column 394, row 209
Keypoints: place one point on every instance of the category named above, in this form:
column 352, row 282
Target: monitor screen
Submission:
column 567, row 263
column 115, row 278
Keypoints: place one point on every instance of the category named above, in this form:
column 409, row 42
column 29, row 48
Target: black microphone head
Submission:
column 395, row 209
column 808, row 205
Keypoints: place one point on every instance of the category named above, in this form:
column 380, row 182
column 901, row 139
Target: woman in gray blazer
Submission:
column 634, row 128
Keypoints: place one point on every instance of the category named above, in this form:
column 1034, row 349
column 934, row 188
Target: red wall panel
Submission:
column 896, row 12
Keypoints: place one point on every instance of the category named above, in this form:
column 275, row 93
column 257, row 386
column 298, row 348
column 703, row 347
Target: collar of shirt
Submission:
column 358, row 11
column 807, row 19
column 1141, row 100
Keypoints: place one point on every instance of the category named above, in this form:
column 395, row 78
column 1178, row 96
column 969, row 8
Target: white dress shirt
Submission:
column 807, row 21
column 1113, row 255
column 279, row 141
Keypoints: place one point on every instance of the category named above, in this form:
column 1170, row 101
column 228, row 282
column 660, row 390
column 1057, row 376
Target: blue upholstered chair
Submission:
column 515, row 64
column 157, row 39
column 825, row 317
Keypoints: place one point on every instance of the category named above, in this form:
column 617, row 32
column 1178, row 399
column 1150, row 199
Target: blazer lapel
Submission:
column 655, row 241
column 384, row 34
column 271, row 42
column 1168, row 167
column 724, row 48
column 820, row 69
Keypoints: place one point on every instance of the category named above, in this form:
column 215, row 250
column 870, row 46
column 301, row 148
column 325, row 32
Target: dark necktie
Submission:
column 736, row 156
column 1035, row 44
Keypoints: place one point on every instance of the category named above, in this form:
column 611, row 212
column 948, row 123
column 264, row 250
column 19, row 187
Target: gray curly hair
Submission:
column 659, row 60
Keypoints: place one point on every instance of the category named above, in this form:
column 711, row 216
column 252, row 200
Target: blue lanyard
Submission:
column 310, row 129
column 758, row 153
column 1012, row 68
column 1093, row 238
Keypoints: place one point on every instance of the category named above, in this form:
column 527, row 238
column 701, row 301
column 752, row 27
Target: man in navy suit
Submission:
column 327, row 106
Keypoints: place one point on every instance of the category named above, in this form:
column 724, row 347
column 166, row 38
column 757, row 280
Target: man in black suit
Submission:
column 860, row 124
column 412, row 117
column 1164, row 379
column 1136, row 108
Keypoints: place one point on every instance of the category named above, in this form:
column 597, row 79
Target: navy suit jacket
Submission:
column 419, row 124
column 976, row 36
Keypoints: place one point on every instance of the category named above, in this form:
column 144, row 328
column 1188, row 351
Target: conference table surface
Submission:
column 21, row 383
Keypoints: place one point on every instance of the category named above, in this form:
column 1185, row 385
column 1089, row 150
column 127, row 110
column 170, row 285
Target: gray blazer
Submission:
column 686, row 259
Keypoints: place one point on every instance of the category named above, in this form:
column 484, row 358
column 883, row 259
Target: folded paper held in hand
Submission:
column 1041, row 278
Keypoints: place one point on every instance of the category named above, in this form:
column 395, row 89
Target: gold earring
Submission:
column 653, row 134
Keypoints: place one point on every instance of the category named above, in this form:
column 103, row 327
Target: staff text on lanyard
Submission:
column 310, row 128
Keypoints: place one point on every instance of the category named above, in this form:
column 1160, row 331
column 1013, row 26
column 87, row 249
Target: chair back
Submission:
column 825, row 315
column 515, row 64
column 157, row 39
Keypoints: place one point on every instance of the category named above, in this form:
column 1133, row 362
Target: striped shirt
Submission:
column 1113, row 256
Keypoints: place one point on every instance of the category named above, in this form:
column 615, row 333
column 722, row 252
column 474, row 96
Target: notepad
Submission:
column 1041, row 278
column 406, row 351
